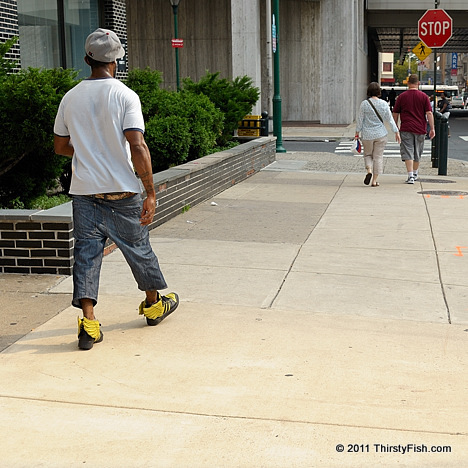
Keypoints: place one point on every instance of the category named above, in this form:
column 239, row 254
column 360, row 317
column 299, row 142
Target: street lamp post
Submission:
column 277, row 126
column 175, row 6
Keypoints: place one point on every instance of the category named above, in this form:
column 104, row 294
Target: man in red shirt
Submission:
column 413, row 109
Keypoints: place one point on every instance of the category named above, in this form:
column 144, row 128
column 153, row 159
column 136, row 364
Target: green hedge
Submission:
column 180, row 126
column 28, row 104
column 234, row 99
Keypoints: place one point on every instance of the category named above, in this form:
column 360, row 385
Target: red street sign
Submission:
column 177, row 43
column 435, row 28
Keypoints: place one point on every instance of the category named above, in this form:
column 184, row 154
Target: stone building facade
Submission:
column 324, row 66
column 323, row 49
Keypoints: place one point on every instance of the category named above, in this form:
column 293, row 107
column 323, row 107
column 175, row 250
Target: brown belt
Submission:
column 113, row 195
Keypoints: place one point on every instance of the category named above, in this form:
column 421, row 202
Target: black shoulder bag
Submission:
column 373, row 107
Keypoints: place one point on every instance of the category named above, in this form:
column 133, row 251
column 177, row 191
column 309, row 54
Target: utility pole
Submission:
column 436, row 5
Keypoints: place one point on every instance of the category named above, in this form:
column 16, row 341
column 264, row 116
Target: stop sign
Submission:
column 435, row 28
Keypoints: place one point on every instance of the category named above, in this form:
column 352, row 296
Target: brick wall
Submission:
column 115, row 18
column 42, row 241
column 9, row 27
column 35, row 242
column 191, row 183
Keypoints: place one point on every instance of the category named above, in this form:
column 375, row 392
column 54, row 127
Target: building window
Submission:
column 387, row 67
column 81, row 17
column 39, row 33
column 53, row 32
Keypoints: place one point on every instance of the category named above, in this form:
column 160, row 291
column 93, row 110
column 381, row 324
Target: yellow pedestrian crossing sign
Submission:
column 422, row 51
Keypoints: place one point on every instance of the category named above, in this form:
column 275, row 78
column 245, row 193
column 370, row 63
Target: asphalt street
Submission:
column 458, row 141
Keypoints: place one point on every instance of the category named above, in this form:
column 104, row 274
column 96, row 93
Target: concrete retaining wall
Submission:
column 33, row 241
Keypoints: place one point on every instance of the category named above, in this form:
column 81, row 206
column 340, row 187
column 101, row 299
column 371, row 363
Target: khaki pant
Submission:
column 373, row 154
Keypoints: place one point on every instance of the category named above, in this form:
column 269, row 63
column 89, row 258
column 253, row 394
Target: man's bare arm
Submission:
column 430, row 119
column 63, row 146
column 141, row 159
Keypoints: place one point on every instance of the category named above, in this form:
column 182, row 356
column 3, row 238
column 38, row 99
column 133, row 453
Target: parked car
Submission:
column 457, row 102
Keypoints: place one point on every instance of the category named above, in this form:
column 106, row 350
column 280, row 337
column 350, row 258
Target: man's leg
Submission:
column 407, row 154
column 88, row 308
column 418, row 151
column 409, row 165
column 88, row 251
column 151, row 297
column 133, row 240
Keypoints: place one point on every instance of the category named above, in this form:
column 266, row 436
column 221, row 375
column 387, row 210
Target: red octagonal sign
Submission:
column 435, row 28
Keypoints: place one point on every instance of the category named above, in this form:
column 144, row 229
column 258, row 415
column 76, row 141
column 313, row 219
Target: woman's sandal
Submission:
column 368, row 178
column 375, row 185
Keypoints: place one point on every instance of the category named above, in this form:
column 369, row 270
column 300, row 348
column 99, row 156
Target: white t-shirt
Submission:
column 95, row 114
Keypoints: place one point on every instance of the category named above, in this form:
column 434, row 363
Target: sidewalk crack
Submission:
column 275, row 296
column 442, row 287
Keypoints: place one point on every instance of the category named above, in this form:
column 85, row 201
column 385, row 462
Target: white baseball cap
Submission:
column 103, row 45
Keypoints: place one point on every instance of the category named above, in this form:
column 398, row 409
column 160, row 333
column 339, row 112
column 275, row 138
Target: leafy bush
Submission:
column 234, row 98
column 228, row 146
column 168, row 139
column 7, row 65
column 180, row 126
column 44, row 202
column 28, row 104
column 146, row 83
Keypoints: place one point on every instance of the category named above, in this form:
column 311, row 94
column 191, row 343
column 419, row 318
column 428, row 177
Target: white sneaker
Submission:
column 415, row 177
column 410, row 180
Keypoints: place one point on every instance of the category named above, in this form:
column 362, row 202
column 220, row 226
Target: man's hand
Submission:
column 147, row 213
column 432, row 134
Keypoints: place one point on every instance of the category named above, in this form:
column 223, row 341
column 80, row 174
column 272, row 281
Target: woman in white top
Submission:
column 373, row 112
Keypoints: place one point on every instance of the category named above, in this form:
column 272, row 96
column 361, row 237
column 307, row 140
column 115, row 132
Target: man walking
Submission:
column 100, row 125
column 412, row 108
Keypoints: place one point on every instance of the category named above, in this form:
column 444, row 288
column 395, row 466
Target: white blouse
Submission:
column 369, row 125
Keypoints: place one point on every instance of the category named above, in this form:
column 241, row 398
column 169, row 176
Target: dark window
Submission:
column 53, row 32
column 387, row 66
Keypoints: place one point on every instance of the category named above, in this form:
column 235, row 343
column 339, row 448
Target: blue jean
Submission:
column 95, row 220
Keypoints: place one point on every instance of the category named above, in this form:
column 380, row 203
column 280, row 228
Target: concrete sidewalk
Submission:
column 315, row 313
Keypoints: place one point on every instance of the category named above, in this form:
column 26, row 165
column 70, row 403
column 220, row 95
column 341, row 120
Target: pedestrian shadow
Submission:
column 61, row 340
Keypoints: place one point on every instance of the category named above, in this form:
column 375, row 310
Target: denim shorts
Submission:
column 95, row 220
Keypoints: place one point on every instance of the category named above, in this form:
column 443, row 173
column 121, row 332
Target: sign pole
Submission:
column 436, row 5
column 176, row 35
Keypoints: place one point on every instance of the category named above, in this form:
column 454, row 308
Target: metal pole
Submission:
column 434, row 148
column 436, row 5
column 269, row 58
column 174, row 9
column 434, row 142
column 443, row 146
column 277, row 129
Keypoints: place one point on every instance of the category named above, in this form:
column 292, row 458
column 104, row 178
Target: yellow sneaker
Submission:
column 158, row 311
column 89, row 332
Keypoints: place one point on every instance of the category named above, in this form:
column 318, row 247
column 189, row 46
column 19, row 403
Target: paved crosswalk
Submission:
column 392, row 149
